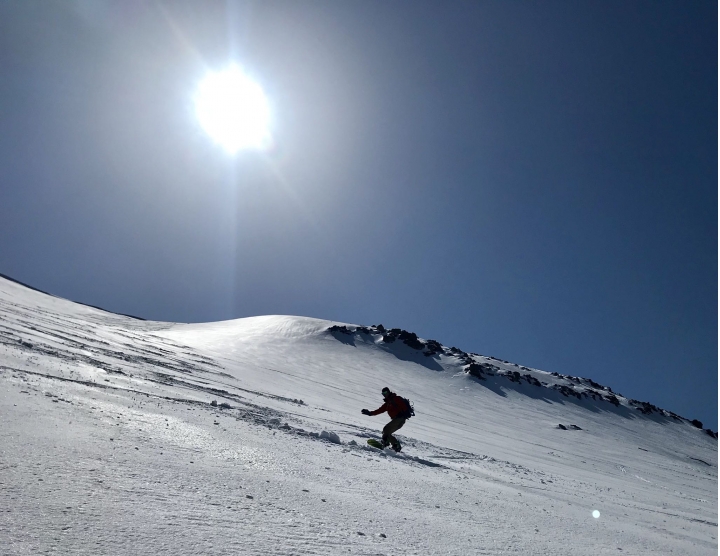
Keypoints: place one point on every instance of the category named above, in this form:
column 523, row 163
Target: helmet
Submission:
column 386, row 392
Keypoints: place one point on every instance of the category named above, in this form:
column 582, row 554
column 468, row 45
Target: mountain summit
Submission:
column 123, row 436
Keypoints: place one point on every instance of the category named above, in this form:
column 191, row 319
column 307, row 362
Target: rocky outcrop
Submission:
column 479, row 367
column 645, row 408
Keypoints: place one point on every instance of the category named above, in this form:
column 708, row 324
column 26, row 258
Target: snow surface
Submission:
column 123, row 436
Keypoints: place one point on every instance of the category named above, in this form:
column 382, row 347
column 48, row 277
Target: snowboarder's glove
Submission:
column 365, row 412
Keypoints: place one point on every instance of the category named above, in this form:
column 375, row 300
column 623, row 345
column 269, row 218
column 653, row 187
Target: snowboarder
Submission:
column 398, row 410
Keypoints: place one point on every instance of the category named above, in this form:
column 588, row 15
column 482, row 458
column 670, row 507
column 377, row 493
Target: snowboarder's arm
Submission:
column 381, row 409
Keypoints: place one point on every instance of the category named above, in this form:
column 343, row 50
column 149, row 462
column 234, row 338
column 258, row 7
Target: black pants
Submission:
column 390, row 428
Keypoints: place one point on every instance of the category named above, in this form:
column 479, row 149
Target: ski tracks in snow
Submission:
column 110, row 445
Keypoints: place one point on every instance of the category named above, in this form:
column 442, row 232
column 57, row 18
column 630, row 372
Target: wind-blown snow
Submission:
column 122, row 436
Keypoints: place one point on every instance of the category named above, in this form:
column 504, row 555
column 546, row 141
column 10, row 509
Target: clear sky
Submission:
column 535, row 181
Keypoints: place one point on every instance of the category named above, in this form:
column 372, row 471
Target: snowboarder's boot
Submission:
column 396, row 446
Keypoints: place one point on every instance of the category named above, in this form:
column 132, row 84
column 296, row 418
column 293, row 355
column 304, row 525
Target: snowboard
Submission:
column 377, row 444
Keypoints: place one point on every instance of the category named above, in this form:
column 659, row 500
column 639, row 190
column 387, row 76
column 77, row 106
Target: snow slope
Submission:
column 111, row 444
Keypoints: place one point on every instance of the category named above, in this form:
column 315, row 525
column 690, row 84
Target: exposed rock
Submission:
column 476, row 370
column 646, row 408
column 432, row 348
column 696, row 423
column 566, row 390
column 410, row 339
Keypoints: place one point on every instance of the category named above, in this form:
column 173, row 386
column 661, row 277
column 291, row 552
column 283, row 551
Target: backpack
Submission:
column 410, row 411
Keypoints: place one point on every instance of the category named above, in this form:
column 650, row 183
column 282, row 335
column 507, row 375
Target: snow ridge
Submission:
column 504, row 373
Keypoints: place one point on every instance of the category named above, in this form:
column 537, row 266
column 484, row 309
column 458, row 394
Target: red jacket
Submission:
column 394, row 406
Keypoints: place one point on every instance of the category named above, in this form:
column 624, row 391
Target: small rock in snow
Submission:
column 361, row 533
column 213, row 403
column 248, row 496
column 383, row 535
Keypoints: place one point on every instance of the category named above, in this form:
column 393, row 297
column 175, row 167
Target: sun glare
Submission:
column 233, row 110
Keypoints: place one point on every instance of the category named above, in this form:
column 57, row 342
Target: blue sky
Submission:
column 535, row 181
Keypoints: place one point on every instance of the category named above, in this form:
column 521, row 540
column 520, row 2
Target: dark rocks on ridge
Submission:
column 577, row 387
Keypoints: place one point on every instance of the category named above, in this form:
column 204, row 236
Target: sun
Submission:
column 233, row 110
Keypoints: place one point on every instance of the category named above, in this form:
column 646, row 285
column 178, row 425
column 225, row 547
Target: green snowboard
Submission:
column 375, row 443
